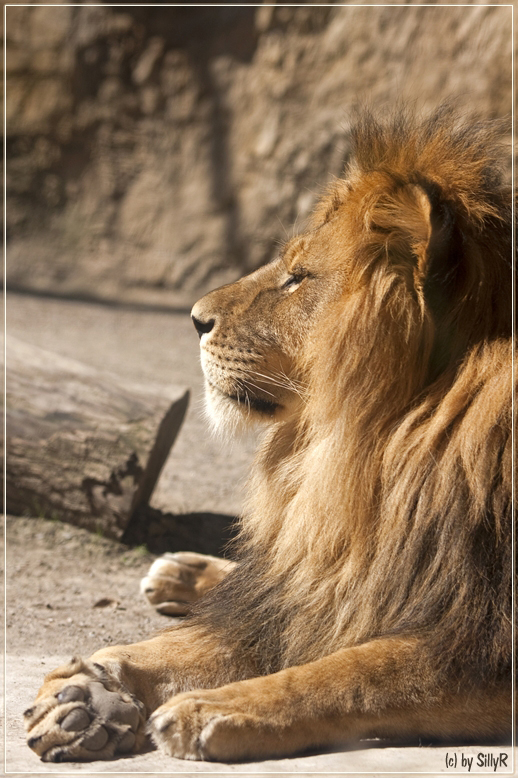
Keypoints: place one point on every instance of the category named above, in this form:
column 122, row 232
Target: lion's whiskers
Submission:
column 247, row 383
column 283, row 381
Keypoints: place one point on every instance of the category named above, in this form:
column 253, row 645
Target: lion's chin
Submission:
column 232, row 414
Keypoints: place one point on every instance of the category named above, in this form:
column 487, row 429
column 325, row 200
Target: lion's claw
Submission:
column 90, row 717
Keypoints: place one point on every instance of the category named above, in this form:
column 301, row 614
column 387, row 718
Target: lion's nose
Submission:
column 202, row 327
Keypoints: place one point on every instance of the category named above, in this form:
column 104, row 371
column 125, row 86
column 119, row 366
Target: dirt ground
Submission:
column 80, row 591
column 70, row 592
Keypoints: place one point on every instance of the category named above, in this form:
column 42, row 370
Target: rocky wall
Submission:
column 156, row 152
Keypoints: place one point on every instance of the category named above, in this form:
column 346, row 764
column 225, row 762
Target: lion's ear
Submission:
column 419, row 224
column 437, row 224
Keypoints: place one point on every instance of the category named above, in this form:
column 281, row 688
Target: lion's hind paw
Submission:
column 83, row 714
column 175, row 581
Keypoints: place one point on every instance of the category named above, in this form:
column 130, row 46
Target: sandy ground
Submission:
column 70, row 592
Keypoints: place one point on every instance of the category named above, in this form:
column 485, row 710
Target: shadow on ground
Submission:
column 205, row 533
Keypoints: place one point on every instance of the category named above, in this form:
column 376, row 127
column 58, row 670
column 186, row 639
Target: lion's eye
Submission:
column 294, row 280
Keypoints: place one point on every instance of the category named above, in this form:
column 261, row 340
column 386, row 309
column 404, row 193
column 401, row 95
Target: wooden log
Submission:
column 81, row 446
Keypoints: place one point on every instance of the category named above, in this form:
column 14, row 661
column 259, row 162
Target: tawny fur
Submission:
column 384, row 506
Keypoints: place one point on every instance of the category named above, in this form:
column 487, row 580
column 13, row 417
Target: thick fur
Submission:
column 373, row 594
column 384, row 506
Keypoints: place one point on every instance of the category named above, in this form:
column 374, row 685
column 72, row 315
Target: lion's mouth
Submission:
column 255, row 403
column 248, row 401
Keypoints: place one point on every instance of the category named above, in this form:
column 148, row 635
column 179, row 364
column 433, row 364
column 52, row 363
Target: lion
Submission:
column 371, row 594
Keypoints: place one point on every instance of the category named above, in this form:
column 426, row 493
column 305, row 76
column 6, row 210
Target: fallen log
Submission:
column 81, row 446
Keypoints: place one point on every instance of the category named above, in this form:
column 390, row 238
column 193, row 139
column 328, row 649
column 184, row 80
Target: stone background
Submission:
column 156, row 152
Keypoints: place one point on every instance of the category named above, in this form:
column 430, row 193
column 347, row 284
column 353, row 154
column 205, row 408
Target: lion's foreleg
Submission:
column 179, row 659
column 379, row 689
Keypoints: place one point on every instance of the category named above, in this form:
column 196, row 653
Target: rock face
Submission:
column 156, row 152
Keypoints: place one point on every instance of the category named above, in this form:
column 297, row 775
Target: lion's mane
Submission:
column 385, row 507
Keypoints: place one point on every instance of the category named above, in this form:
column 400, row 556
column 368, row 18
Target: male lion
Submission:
column 372, row 597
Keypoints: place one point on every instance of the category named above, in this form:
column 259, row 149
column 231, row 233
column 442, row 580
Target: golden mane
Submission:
column 384, row 508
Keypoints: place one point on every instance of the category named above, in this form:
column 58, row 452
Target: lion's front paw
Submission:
column 201, row 725
column 82, row 713
column 175, row 581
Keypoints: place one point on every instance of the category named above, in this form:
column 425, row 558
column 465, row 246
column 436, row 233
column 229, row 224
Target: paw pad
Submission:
column 92, row 717
column 71, row 694
column 96, row 741
column 75, row 720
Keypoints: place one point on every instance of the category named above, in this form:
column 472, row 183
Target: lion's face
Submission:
column 252, row 333
column 381, row 265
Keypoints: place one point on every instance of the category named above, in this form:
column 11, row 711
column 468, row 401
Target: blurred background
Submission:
column 157, row 152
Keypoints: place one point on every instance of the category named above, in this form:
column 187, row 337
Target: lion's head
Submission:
column 399, row 255
column 253, row 333
column 377, row 347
